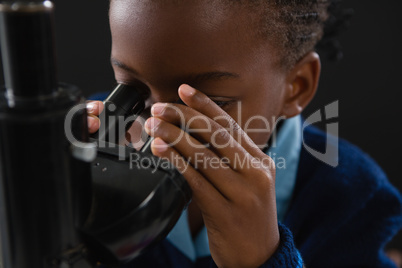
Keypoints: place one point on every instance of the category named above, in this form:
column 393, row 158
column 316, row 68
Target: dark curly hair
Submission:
column 338, row 21
column 296, row 27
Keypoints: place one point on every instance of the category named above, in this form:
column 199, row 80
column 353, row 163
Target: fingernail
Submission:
column 90, row 107
column 90, row 122
column 159, row 145
column 93, row 123
column 152, row 123
column 158, row 108
column 187, row 91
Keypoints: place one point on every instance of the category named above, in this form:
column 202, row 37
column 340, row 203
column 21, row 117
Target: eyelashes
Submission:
column 221, row 103
column 224, row 104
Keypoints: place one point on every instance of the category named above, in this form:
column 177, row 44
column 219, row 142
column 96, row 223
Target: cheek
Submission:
column 260, row 109
column 257, row 120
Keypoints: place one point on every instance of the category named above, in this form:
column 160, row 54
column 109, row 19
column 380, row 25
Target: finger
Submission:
column 93, row 124
column 94, row 107
column 202, row 128
column 200, row 102
column 211, row 166
column 204, row 193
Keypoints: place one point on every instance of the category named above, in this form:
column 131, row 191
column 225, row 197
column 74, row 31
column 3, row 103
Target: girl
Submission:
column 240, row 66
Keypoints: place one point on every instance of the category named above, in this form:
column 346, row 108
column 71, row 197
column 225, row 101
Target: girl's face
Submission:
column 212, row 47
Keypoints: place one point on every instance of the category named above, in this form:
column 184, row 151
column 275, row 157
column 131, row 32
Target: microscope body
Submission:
column 39, row 208
column 64, row 200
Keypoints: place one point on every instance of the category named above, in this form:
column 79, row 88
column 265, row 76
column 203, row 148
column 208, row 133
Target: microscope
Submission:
column 68, row 199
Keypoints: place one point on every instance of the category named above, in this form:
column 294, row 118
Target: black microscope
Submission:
column 68, row 199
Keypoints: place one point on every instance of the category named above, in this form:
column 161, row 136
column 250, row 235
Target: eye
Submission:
column 138, row 85
column 133, row 83
column 224, row 104
column 221, row 103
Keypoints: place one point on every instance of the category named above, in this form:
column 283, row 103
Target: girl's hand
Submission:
column 232, row 180
column 94, row 108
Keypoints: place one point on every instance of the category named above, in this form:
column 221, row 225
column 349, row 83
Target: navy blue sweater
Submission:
column 339, row 217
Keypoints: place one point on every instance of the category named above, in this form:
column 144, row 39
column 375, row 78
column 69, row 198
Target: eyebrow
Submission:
column 121, row 65
column 214, row 75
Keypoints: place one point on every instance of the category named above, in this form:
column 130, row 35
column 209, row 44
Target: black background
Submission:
column 367, row 82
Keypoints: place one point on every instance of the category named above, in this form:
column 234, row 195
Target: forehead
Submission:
column 203, row 11
column 170, row 21
column 179, row 35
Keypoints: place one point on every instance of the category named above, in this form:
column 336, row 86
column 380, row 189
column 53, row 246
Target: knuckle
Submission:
column 225, row 121
column 173, row 108
column 201, row 102
column 196, row 184
column 178, row 113
column 265, row 178
column 220, row 136
column 267, row 162
column 164, row 133
column 204, row 101
column 234, row 125
column 229, row 124
column 250, row 200
column 207, row 157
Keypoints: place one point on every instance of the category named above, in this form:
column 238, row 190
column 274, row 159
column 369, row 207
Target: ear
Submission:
column 301, row 85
